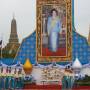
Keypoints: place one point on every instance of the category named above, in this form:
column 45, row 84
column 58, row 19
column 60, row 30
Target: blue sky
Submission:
column 25, row 14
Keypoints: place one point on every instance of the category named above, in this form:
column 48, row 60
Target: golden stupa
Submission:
column 27, row 66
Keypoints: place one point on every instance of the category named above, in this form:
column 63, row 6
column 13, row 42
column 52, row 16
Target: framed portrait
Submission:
column 54, row 30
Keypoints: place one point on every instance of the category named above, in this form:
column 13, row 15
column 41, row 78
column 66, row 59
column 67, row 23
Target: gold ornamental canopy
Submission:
column 27, row 66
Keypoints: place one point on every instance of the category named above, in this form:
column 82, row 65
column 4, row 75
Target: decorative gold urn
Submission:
column 27, row 66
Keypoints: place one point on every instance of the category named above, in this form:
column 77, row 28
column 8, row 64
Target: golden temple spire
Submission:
column 27, row 66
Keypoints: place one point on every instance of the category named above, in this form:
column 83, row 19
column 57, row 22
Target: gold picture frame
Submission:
column 43, row 7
